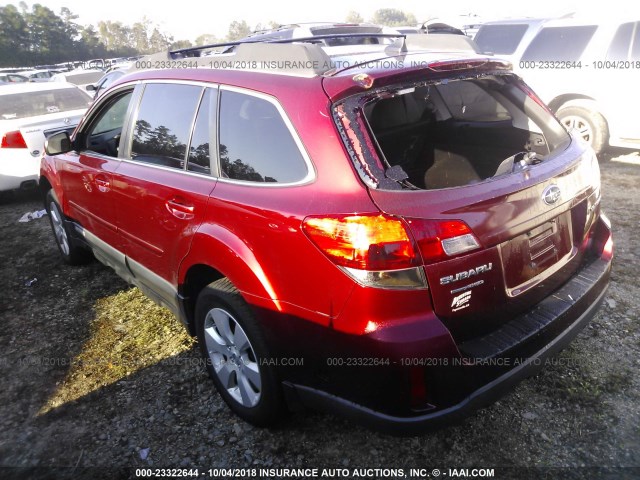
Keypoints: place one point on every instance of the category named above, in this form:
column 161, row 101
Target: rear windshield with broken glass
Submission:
column 457, row 132
column 41, row 102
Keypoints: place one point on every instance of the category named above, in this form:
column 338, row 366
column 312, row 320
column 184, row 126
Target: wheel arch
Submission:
column 215, row 253
column 573, row 99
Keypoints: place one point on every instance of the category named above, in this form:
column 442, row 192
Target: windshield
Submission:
column 454, row 133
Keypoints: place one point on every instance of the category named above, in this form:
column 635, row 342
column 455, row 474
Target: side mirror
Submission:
column 91, row 87
column 58, row 143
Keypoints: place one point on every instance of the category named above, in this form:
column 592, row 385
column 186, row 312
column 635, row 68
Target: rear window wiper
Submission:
column 518, row 162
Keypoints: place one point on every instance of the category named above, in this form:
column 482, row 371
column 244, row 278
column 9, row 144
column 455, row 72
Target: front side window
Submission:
column 255, row 143
column 163, row 126
column 105, row 131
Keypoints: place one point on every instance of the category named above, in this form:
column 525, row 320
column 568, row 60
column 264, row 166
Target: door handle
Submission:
column 102, row 184
column 180, row 209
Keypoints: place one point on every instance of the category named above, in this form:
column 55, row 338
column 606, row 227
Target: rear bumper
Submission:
column 561, row 317
column 17, row 167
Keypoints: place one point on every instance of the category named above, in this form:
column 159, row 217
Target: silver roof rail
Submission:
column 301, row 59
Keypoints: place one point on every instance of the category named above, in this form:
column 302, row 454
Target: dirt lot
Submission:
column 95, row 375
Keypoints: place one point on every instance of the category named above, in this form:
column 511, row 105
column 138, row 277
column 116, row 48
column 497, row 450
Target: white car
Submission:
column 79, row 77
column 29, row 112
column 588, row 70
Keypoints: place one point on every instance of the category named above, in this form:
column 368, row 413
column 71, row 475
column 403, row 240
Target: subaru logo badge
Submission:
column 551, row 194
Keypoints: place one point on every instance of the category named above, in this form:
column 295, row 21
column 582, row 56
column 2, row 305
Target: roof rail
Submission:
column 184, row 52
column 300, row 56
column 302, row 59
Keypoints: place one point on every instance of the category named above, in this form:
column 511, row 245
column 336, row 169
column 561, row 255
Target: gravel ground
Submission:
column 145, row 401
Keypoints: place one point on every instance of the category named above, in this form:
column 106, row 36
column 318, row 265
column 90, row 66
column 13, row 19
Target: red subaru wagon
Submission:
column 392, row 231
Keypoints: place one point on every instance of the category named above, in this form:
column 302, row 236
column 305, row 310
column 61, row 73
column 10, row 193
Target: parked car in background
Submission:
column 101, row 85
column 588, row 71
column 436, row 27
column 29, row 112
column 390, row 231
column 13, row 78
column 80, row 77
column 39, row 75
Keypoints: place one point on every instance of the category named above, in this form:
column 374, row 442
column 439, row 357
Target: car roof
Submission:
column 34, row 87
column 591, row 19
column 31, row 72
column 518, row 21
column 307, row 58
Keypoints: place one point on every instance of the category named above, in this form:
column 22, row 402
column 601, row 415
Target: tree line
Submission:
column 39, row 36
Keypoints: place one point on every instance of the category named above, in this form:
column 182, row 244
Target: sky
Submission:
column 187, row 19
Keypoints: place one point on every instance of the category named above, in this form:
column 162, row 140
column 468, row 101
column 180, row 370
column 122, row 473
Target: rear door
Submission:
column 163, row 185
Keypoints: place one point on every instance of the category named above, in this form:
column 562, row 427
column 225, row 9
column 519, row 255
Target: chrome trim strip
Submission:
column 153, row 286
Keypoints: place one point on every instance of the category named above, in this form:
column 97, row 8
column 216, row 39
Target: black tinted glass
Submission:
column 203, row 135
column 106, row 130
column 559, row 43
column 164, row 122
column 255, row 143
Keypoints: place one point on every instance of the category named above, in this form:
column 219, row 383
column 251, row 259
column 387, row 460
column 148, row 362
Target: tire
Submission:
column 234, row 350
column 71, row 253
column 589, row 125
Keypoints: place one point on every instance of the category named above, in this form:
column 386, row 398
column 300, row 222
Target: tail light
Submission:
column 375, row 250
column 13, row 140
column 380, row 251
column 365, row 242
column 441, row 239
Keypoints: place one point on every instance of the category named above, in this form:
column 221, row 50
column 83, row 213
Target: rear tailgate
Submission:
column 532, row 227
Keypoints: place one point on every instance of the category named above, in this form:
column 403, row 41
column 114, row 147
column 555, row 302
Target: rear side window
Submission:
column 635, row 49
column 203, row 139
column 164, row 122
column 621, row 43
column 559, row 43
column 255, row 143
column 500, row 39
column 33, row 104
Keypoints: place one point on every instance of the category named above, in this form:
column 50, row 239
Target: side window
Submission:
column 203, row 140
column 619, row 48
column 559, row 43
column 104, row 135
column 163, row 126
column 255, row 143
column 635, row 49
